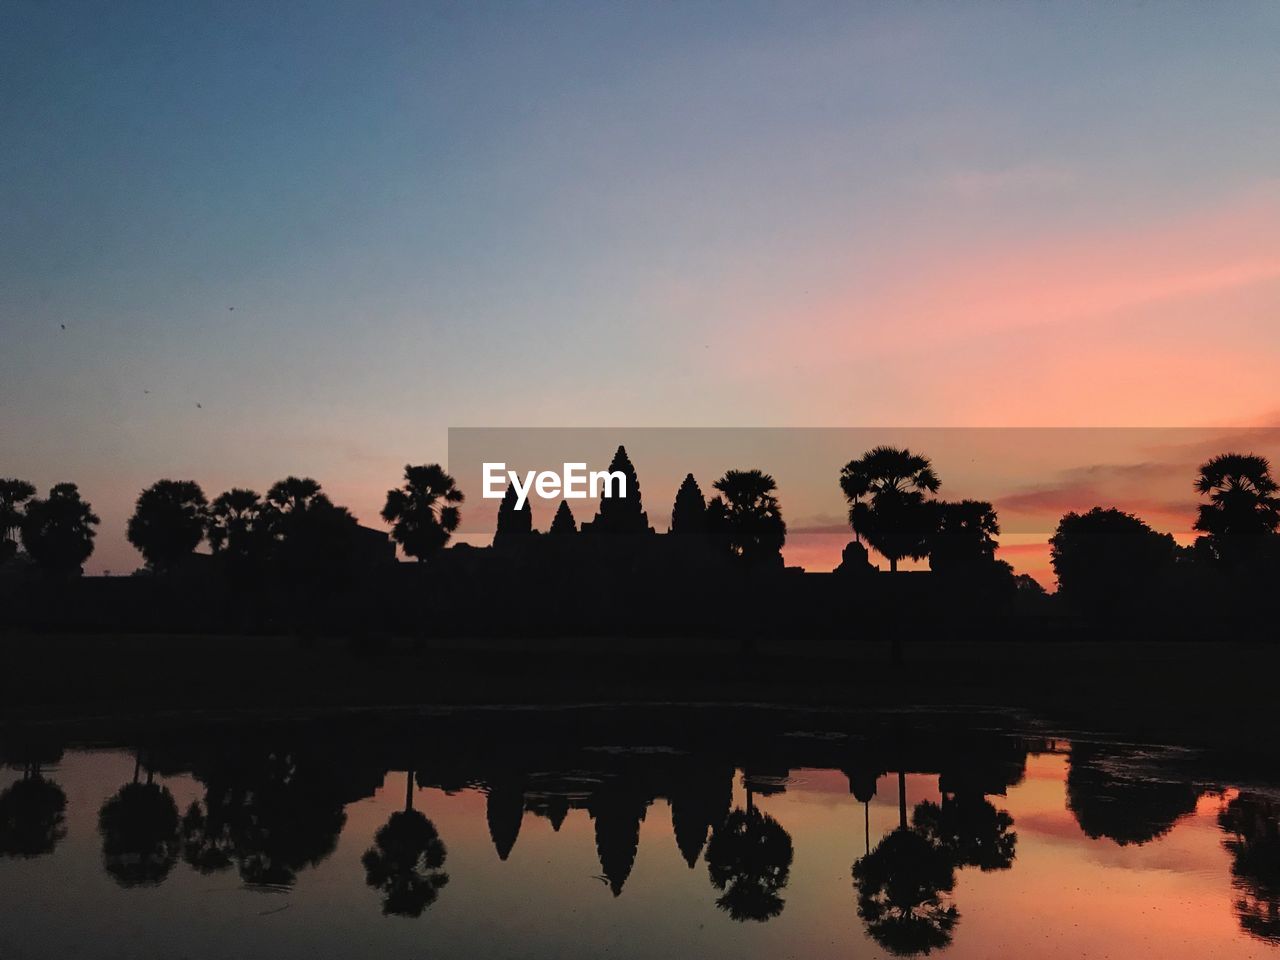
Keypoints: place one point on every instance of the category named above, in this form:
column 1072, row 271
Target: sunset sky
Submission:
column 343, row 228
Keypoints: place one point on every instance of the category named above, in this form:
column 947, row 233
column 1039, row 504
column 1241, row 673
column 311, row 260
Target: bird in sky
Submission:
column 199, row 406
column 63, row 326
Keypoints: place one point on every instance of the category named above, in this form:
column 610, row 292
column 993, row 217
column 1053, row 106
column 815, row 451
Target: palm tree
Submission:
column 58, row 532
column 893, row 517
column 752, row 518
column 168, row 523
column 313, row 541
column 294, row 494
column 13, row 494
column 233, row 519
column 423, row 512
column 1243, row 508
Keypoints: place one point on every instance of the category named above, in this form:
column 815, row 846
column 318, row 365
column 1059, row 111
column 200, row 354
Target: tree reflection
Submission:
column 405, row 860
column 1252, row 824
column 970, row 829
column 271, row 816
column 1112, row 797
column 139, row 829
column 749, row 859
column 901, row 886
column 32, row 815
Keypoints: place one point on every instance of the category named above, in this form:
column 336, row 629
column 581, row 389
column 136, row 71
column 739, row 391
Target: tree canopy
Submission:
column 752, row 519
column 168, row 523
column 423, row 512
column 885, row 489
column 58, row 532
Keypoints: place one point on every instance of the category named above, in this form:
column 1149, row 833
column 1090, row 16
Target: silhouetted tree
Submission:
column 885, row 490
column 313, row 541
column 1107, row 560
column 689, row 514
column 32, row 816
column 1252, row 824
column 963, row 536
column 563, row 524
column 239, row 528
column 139, row 829
column 1243, row 510
column 752, row 524
column 515, row 527
column 622, row 514
column 168, row 523
column 406, row 861
column 423, row 513
column 13, row 494
column 749, row 859
column 58, row 533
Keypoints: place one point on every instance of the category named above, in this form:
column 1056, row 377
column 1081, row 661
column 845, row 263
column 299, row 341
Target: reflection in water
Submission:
column 405, row 860
column 270, row 806
column 1117, row 794
column 970, row 829
column 617, row 809
column 903, row 887
column 271, row 815
column 32, row 816
column 749, row 859
column 33, row 809
column 139, row 828
column 1252, row 824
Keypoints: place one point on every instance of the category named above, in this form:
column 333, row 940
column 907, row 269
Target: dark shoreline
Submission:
column 1193, row 693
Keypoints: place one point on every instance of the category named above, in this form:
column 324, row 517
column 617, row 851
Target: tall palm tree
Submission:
column 885, row 489
column 423, row 513
column 58, row 532
column 168, row 523
column 13, row 494
column 236, row 522
column 752, row 518
column 1243, row 507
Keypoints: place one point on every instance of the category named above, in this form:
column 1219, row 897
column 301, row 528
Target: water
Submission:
column 701, row 834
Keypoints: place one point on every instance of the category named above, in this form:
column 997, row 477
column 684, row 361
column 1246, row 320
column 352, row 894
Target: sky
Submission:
column 309, row 238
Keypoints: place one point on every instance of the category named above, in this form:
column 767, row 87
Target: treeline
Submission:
column 294, row 542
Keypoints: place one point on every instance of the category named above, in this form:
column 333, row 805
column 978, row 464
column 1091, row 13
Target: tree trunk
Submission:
column 902, row 799
column 408, row 790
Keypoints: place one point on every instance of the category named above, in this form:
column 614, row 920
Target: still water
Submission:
column 588, row 835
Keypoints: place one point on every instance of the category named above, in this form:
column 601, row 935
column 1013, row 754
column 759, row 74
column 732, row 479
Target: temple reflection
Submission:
column 920, row 804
